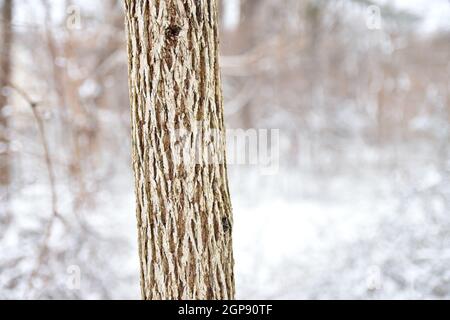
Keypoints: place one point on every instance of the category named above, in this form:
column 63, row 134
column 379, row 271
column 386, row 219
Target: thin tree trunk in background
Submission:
column 183, row 206
column 5, row 73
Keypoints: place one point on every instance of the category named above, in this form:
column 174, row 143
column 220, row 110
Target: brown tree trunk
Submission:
column 5, row 72
column 183, row 202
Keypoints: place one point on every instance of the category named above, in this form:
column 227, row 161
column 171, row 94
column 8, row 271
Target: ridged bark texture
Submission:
column 183, row 202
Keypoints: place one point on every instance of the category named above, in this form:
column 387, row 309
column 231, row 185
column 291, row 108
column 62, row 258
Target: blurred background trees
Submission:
column 360, row 204
column 5, row 73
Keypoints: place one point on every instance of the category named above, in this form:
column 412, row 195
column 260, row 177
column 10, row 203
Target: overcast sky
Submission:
column 435, row 13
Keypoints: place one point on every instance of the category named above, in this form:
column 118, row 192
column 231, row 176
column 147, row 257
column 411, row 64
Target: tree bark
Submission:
column 5, row 73
column 183, row 204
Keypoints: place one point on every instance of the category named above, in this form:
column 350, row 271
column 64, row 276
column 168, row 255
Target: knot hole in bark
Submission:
column 172, row 32
column 226, row 225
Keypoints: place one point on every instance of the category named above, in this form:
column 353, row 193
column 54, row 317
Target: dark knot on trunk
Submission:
column 172, row 32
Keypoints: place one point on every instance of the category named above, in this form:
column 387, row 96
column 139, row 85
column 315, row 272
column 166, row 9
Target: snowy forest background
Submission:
column 360, row 205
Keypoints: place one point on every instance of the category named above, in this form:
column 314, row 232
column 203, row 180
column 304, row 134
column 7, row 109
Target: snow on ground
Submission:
column 342, row 237
column 283, row 246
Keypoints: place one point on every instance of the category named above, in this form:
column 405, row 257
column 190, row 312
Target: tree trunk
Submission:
column 183, row 202
column 5, row 71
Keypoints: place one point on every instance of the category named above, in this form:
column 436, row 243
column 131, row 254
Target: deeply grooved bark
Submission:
column 182, row 199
